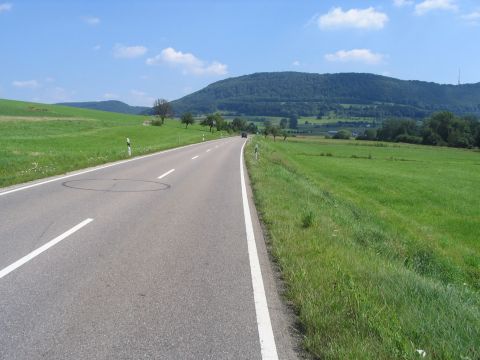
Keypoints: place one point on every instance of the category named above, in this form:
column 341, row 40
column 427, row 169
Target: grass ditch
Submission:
column 380, row 258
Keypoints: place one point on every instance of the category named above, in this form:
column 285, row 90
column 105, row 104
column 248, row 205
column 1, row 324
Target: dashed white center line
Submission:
column 208, row 150
column 193, row 158
column 42, row 248
column 167, row 173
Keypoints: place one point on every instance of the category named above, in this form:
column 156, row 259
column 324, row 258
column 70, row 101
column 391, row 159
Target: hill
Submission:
column 109, row 105
column 40, row 140
column 347, row 94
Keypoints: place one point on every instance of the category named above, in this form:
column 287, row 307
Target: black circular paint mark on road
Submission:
column 116, row 185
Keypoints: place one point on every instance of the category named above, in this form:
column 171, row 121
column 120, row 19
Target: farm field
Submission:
column 42, row 140
column 378, row 244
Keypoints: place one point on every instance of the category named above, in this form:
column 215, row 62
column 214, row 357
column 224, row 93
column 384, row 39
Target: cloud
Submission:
column 431, row 5
column 26, row 84
column 354, row 18
column 401, row 3
column 296, row 63
column 356, row 55
column 91, row 20
column 129, row 52
column 96, row 47
column 4, row 7
column 472, row 18
column 188, row 62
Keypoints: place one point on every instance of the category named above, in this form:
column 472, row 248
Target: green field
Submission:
column 379, row 244
column 42, row 140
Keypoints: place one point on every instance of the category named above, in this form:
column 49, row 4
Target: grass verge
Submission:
column 378, row 245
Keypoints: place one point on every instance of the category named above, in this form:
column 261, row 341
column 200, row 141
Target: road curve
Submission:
column 143, row 259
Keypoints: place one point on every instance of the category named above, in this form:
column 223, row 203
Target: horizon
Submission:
column 95, row 57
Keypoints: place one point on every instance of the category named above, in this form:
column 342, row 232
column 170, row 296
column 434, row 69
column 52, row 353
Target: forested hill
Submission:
column 109, row 105
column 350, row 94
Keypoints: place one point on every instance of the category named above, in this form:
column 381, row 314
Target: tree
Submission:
column 162, row 109
column 211, row 120
column 283, row 123
column 284, row 134
column 293, row 122
column 219, row 122
column 266, row 131
column 239, row 124
column 187, row 119
column 275, row 131
column 252, row 128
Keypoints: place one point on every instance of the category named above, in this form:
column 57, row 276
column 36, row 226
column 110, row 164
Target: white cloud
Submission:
column 4, row 7
column 472, row 18
column 188, row 62
column 91, row 20
column 356, row 55
column 26, row 84
column 354, row 18
column 96, row 47
column 431, row 5
column 49, row 79
column 129, row 52
column 401, row 3
column 296, row 63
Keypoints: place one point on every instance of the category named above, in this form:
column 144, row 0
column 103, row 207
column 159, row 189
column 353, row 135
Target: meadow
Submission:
column 40, row 140
column 378, row 244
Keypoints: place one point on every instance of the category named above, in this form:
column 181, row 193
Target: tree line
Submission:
column 442, row 129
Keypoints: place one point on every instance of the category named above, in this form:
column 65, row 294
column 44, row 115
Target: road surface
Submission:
column 152, row 258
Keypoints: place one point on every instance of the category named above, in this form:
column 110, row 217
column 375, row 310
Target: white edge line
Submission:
column 265, row 331
column 42, row 248
column 99, row 168
column 167, row 173
column 193, row 158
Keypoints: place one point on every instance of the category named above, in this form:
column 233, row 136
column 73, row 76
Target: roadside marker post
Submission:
column 129, row 147
column 256, row 152
column 203, row 137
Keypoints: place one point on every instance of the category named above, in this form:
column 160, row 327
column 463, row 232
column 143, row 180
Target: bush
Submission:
column 342, row 134
column 411, row 139
column 156, row 122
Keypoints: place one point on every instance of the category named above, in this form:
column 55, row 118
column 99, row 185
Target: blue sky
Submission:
column 135, row 51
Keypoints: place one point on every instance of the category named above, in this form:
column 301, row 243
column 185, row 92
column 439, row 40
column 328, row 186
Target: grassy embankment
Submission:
column 379, row 244
column 42, row 140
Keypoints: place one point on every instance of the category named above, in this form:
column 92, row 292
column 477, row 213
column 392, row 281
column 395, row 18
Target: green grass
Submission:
column 43, row 140
column 378, row 244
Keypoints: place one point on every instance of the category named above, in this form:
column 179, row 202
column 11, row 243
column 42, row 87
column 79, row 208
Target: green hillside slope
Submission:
column 42, row 140
column 351, row 94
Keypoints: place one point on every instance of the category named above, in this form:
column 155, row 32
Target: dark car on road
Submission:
column 244, row 134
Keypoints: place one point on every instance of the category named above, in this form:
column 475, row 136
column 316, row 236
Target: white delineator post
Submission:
column 256, row 151
column 129, row 147
column 203, row 137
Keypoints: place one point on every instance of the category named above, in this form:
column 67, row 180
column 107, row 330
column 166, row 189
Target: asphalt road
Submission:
column 139, row 261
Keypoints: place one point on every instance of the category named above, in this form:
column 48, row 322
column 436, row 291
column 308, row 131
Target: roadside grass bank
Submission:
column 40, row 140
column 378, row 244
